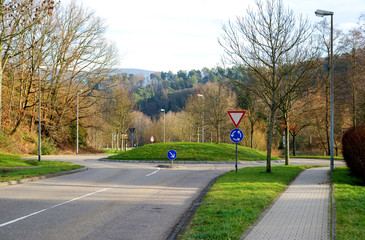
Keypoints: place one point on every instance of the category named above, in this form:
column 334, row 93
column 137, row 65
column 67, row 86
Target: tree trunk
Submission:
column 327, row 122
column 252, row 131
column 354, row 111
column 294, row 150
column 287, row 153
column 269, row 139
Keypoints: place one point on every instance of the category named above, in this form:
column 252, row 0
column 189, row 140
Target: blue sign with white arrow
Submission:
column 172, row 154
column 236, row 135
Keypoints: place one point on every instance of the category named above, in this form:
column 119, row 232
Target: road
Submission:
column 108, row 201
column 111, row 200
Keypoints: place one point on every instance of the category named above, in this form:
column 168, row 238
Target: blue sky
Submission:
column 163, row 35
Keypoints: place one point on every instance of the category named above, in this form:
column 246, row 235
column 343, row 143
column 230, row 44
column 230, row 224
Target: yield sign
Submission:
column 236, row 117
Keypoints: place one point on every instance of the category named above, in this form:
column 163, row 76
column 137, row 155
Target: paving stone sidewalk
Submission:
column 301, row 212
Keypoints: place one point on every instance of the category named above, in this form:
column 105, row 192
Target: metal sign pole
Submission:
column 236, row 136
column 236, row 157
column 172, row 154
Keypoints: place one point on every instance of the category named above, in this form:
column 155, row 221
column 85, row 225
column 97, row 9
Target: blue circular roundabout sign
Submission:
column 172, row 154
column 236, row 135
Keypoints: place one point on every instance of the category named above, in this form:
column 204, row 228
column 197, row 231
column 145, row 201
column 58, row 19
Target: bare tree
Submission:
column 81, row 59
column 17, row 17
column 270, row 42
column 323, row 36
column 25, row 70
column 68, row 53
column 353, row 45
column 122, row 108
column 290, row 95
column 217, row 101
column 246, row 99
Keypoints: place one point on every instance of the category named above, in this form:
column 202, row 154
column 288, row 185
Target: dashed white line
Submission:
column 158, row 169
column 63, row 203
column 60, row 204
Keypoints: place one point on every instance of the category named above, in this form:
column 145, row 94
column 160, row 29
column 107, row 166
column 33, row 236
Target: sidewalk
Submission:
column 301, row 212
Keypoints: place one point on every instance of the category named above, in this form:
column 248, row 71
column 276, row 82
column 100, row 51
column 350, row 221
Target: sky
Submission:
column 172, row 35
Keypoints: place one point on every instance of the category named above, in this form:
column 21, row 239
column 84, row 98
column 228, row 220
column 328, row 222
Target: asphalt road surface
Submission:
column 111, row 200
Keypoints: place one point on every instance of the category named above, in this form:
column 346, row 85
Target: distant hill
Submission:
column 135, row 71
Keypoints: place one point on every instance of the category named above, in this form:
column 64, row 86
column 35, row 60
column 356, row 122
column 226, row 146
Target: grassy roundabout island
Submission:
column 192, row 152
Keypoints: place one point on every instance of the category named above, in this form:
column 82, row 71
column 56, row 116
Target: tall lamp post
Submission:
column 163, row 110
column 322, row 13
column 202, row 96
column 77, row 122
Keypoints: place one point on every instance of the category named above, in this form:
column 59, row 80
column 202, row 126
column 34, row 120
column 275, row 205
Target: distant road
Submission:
column 108, row 201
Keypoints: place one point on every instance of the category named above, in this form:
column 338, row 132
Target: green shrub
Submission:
column 82, row 136
column 353, row 150
column 48, row 147
column 4, row 141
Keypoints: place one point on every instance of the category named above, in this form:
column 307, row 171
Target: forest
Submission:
column 58, row 55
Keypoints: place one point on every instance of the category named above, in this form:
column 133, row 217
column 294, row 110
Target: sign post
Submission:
column 172, row 154
column 236, row 135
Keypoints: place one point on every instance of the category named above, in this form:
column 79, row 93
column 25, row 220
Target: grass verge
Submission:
column 236, row 200
column 14, row 168
column 192, row 152
column 111, row 151
column 350, row 205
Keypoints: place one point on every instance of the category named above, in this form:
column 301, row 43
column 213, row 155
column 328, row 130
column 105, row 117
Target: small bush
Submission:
column 4, row 141
column 353, row 144
column 48, row 147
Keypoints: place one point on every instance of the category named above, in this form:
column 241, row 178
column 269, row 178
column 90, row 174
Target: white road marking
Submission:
column 60, row 204
column 158, row 169
column 63, row 203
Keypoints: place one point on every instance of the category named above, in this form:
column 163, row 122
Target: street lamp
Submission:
column 77, row 122
column 202, row 96
column 39, row 113
column 322, row 13
column 163, row 110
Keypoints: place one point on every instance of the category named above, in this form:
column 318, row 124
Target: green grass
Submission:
column 236, row 201
column 29, row 168
column 314, row 157
column 192, row 152
column 11, row 160
column 111, row 151
column 350, row 205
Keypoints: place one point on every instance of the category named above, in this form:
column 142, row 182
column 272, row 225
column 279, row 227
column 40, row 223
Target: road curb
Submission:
column 32, row 179
column 332, row 208
column 188, row 162
column 185, row 220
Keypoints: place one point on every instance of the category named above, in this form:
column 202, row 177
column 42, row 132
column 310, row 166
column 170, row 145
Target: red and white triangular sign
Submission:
column 236, row 116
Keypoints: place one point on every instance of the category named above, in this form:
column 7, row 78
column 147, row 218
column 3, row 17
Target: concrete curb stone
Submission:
column 32, row 179
column 189, row 162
